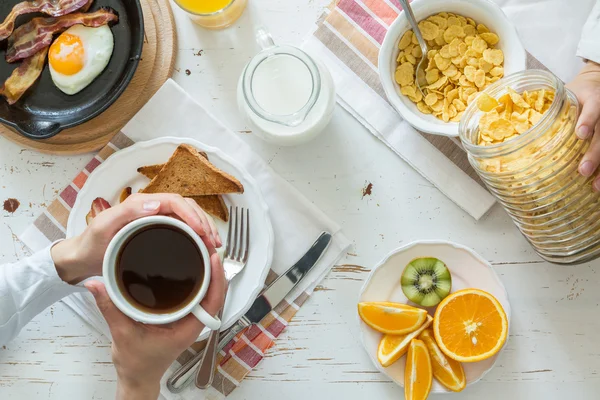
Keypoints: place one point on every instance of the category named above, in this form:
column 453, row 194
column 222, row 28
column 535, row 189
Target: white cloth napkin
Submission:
column 296, row 221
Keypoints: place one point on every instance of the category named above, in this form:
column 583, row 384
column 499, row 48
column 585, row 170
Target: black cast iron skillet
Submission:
column 44, row 110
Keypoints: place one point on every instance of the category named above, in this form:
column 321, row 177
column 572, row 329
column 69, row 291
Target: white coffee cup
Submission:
column 117, row 297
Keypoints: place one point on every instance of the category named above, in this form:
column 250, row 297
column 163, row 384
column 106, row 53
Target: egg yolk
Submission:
column 67, row 55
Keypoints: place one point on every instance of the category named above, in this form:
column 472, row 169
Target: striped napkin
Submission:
column 171, row 112
column 347, row 40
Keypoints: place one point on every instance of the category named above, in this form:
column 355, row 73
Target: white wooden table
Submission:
column 552, row 352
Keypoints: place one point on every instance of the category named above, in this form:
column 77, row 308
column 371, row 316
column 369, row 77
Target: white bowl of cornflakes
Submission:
column 473, row 60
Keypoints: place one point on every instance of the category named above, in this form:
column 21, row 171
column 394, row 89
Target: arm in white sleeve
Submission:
column 589, row 44
column 26, row 289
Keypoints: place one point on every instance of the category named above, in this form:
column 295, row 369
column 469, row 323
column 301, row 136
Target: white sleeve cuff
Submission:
column 26, row 289
column 43, row 259
column 589, row 50
column 589, row 45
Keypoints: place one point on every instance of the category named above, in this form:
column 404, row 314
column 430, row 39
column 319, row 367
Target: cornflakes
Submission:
column 405, row 74
column 470, row 30
column 481, row 28
column 423, row 108
column 441, row 22
column 429, row 30
column 462, row 60
column 479, row 78
column 490, row 38
column 431, row 99
column 493, row 56
column 486, row 103
column 405, row 40
column 479, row 45
column 453, row 31
column 510, row 115
column 439, row 84
column 432, row 75
column 497, row 72
column 500, row 129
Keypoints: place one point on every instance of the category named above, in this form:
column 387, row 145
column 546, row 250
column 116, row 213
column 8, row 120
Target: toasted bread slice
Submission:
column 188, row 173
column 150, row 171
column 212, row 204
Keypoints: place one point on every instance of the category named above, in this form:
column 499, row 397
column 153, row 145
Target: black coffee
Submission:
column 160, row 269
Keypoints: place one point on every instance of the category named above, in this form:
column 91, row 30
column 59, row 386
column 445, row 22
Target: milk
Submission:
column 286, row 95
column 282, row 84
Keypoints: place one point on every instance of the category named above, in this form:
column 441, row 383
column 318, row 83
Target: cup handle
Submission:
column 208, row 320
column 264, row 38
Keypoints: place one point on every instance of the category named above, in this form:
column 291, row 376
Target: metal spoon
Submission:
column 415, row 27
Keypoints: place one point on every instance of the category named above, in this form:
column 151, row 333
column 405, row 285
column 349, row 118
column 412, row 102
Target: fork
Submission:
column 236, row 257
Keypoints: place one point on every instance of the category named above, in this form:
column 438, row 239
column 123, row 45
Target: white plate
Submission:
column 468, row 270
column 120, row 171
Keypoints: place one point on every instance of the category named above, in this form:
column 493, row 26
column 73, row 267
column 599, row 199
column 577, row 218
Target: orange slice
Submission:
column 392, row 347
column 470, row 325
column 391, row 318
column 447, row 371
column 418, row 374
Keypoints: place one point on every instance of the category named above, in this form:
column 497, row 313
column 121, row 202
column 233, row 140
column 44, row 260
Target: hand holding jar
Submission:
column 586, row 87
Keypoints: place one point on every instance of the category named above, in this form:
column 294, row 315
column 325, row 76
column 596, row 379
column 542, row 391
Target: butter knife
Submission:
column 262, row 306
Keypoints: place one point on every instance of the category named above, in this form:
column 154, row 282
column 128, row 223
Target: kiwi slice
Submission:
column 426, row 281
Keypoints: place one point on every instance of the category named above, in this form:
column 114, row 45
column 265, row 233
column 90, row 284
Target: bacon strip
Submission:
column 24, row 77
column 98, row 205
column 33, row 36
column 54, row 8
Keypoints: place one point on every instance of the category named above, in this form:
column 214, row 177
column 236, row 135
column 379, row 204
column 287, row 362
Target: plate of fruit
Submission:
column 434, row 317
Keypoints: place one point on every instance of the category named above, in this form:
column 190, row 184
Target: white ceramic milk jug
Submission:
column 287, row 96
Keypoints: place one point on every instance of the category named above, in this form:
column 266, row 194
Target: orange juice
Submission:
column 203, row 6
column 213, row 14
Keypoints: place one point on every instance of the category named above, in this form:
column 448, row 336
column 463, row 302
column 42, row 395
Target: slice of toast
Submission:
column 188, row 173
column 150, row 171
column 212, row 204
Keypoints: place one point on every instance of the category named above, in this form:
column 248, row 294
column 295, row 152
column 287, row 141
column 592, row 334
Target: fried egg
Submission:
column 79, row 55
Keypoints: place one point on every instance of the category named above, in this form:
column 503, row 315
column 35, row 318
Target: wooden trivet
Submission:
column 156, row 66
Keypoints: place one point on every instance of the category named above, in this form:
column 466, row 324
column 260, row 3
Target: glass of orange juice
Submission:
column 213, row 14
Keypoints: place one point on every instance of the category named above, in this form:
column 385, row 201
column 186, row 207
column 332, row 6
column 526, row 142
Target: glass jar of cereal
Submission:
column 520, row 138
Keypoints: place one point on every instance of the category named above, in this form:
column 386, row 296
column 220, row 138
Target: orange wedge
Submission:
column 392, row 347
column 447, row 371
column 391, row 318
column 470, row 325
column 418, row 374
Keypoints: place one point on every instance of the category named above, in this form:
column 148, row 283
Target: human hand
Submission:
column 80, row 257
column 142, row 353
column 586, row 87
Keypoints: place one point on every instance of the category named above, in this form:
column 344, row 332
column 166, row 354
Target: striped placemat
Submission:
column 350, row 34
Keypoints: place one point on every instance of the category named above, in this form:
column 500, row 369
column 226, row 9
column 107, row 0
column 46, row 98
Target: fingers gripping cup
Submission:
column 157, row 270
